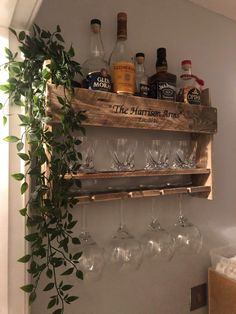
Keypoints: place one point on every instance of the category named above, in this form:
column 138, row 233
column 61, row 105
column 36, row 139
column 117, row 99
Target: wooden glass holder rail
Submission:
column 119, row 111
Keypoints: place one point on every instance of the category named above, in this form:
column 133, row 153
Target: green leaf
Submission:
column 23, row 211
column 1, row 106
column 4, row 120
column 61, row 100
column 49, row 286
column 71, row 224
column 24, row 259
column 25, row 157
column 21, row 36
column 79, row 274
column 11, row 139
column 20, row 146
column 77, row 255
column 24, row 187
column 68, row 272
column 23, row 118
column 18, row 176
column 32, row 297
column 52, row 303
column 75, row 241
column 31, row 237
column 13, row 31
column 27, row 288
column 49, row 273
column 59, row 37
column 8, row 52
column 66, row 287
column 72, row 298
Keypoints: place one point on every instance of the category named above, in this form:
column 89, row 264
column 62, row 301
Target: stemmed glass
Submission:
column 187, row 236
column 158, row 244
column 92, row 260
column 124, row 251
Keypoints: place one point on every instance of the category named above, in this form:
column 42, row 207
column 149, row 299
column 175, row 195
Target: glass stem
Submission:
column 84, row 219
column 122, row 218
column 180, row 206
column 152, row 208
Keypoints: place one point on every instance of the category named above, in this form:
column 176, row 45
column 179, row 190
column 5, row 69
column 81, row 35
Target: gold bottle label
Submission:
column 123, row 74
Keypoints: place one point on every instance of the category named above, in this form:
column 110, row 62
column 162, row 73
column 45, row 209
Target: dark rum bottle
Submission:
column 162, row 85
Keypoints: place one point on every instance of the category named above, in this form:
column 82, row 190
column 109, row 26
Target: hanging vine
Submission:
column 47, row 212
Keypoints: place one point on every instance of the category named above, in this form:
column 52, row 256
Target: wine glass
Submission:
column 158, row 244
column 92, row 260
column 124, row 251
column 187, row 236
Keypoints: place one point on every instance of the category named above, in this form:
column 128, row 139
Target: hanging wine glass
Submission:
column 92, row 260
column 124, row 251
column 158, row 244
column 187, row 236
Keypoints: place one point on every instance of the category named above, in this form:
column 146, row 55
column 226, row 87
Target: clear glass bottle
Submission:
column 141, row 77
column 121, row 60
column 190, row 91
column 162, row 85
column 95, row 69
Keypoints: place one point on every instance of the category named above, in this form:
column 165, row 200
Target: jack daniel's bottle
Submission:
column 162, row 85
column 95, row 69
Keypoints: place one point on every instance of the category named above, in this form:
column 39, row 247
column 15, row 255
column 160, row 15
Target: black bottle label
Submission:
column 194, row 96
column 166, row 91
column 99, row 80
column 143, row 90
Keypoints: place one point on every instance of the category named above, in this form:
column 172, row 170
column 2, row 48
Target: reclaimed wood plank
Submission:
column 112, row 110
column 136, row 173
column 102, row 197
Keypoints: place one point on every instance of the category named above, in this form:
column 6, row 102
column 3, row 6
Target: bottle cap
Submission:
column 95, row 21
column 140, row 54
column 186, row 62
column 122, row 25
column 161, row 57
column 161, row 53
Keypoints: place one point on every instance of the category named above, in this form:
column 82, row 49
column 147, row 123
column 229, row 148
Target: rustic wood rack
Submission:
column 119, row 111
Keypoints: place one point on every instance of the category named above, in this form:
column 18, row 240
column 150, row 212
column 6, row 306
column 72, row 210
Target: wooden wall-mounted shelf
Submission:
column 119, row 111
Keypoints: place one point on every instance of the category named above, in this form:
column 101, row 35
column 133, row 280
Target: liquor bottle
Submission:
column 121, row 60
column 190, row 85
column 141, row 77
column 95, row 69
column 162, row 85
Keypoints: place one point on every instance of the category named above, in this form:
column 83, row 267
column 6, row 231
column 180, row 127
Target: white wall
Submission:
column 187, row 31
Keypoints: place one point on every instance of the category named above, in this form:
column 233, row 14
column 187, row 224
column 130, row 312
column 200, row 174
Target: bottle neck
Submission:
column 140, row 67
column 161, row 68
column 186, row 71
column 96, row 45
column 161, row 65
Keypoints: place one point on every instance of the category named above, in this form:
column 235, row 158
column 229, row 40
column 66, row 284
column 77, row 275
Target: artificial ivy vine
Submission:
column 48, row 210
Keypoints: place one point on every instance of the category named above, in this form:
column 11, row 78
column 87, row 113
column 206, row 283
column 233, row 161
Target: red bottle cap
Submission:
column 186, row 62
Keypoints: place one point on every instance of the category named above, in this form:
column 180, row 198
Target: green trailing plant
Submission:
column 48, row 210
